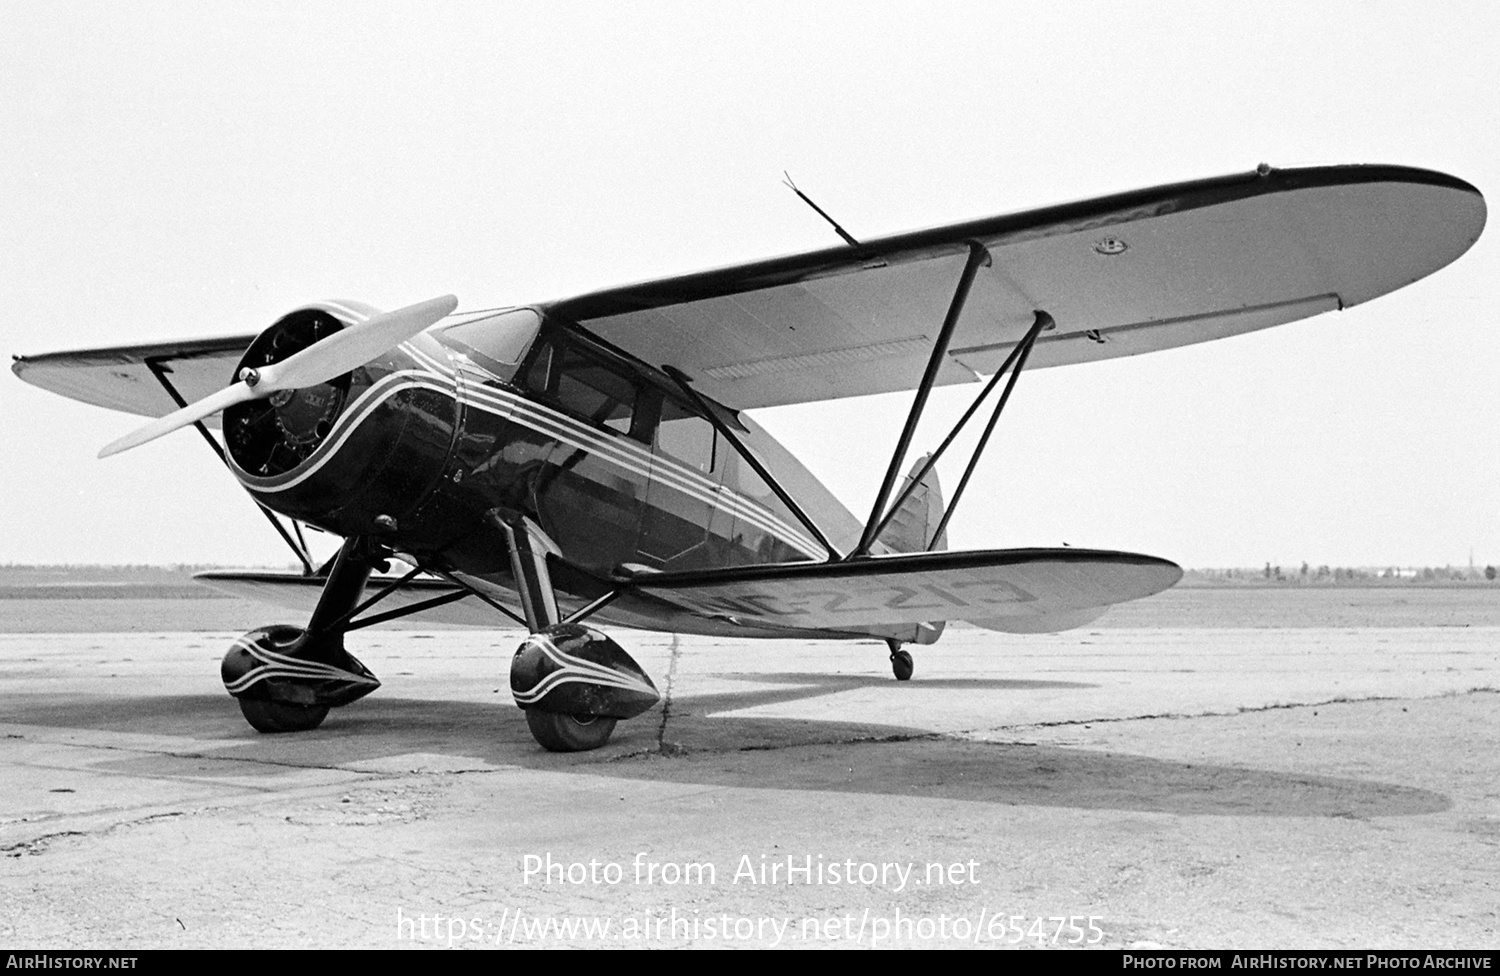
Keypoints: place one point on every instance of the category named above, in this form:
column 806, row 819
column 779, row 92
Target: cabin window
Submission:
column 539, row 373
column 578, row 382
column 685, row 436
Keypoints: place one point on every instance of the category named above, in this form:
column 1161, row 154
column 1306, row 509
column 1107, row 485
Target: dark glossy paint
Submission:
column 431, row 446
column 557, row 670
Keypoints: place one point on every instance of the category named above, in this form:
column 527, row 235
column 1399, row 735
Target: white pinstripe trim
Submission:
column 442, row 369
column 685, row 479
column 388, row 387
column 277, row 665
column 629, row 455
column 636, row 458
column 575, row 670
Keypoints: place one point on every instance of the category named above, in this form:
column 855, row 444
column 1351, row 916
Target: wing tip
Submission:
column 1367, row 173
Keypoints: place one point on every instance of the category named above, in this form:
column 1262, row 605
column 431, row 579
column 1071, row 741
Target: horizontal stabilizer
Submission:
column 1034, row 588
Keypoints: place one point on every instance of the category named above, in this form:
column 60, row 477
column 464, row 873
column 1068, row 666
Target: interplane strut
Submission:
column 881, row 513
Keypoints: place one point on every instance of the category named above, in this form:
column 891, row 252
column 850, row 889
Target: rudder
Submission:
column 911, row 527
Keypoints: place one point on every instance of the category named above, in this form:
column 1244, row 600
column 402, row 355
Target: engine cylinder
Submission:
column 273, row 436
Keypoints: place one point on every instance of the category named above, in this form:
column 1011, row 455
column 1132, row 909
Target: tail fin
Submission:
column 910, row 529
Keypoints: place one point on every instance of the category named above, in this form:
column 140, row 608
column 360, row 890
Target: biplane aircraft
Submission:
column 593, row 460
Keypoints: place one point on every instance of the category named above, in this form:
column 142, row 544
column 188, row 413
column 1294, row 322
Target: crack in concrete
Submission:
column 38, row 845
column 633, row 754
column 207, row 757
column 959, row 734
column 111, row 828
column 211, row 757
column 279, row 763
column 857, row 740
column 666, row 701
column 776, row 747
column 1240, row 710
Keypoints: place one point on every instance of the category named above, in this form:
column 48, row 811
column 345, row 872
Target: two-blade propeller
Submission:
column 347, row 349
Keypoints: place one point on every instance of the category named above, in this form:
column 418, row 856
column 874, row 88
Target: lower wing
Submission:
column 1021, row 591
column 1017, row 590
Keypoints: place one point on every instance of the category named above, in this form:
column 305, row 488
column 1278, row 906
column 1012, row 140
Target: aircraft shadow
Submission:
column 704, row 746
column 829, row 683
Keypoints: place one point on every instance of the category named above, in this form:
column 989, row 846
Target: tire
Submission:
column 569, row 733
column 268, row 716
column 902, row 665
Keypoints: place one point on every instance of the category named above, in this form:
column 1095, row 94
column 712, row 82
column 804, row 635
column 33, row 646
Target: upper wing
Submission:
column 1121, row 275
column 122, row 378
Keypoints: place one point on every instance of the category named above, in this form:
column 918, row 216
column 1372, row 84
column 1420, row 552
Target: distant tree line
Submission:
column 1335, row 575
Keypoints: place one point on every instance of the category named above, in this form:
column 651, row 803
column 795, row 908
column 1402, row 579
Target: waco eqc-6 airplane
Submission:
column 591, row 461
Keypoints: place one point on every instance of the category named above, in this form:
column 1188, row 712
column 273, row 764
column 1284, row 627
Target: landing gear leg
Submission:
column 901, row 663
column 573, row 681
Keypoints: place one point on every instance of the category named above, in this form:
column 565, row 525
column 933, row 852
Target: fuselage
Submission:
column 431, row 447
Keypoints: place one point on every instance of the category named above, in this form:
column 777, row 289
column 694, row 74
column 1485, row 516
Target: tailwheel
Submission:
column 569, row 733
column 902, row 665
column 269, row 716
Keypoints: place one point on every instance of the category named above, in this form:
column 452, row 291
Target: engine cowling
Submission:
column 340, row 454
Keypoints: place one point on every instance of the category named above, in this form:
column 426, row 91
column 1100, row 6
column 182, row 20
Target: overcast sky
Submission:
column 180, row 170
